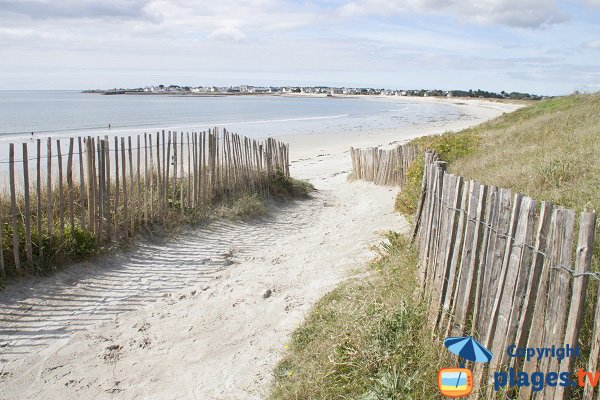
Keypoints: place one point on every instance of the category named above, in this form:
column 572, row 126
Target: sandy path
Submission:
column 186, row 317
column 214, row 335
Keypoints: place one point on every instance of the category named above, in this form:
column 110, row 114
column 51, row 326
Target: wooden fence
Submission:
column 383, row 167
column 494, row 265
column 112, row 187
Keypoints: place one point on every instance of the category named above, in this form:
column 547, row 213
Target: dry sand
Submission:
column 186, row 318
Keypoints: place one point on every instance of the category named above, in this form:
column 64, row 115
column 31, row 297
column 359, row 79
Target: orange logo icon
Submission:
column 455, row 382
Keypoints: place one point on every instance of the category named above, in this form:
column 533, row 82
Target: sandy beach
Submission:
column 206, row 314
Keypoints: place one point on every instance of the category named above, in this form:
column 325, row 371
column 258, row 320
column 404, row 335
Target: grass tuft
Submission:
column 365, row 338
column 546, row 150
column 450, row 147
column 242, row 207
column 288, row 187
column 76, row 244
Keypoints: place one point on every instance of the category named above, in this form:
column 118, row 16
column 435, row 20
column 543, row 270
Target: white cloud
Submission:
column 67, row 9
column 228, row 34
column 516, row 13
column 365, row 7
column 286, row 40
column 594, row 44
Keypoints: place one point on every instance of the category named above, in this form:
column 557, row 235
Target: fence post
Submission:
column 2, row 270
column 13, row 207
column 426, row 161
column 125, row 217
column 109, row 218
column 537, row 280
column 588, row 391
column 70, row 184
column 583, row 264
column 39, row 199
column 49, row 188
column 27, row 213
column 82, row 187
column 147, row 184
column 470, row 255
column 61, row 213
column 130, row 206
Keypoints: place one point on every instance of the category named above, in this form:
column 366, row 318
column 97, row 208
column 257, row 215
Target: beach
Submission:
column 206, row 314
column 29, row 116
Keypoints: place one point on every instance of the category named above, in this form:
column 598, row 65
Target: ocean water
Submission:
column 65, row 113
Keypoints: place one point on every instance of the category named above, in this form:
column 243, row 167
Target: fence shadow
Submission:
column 36, row 312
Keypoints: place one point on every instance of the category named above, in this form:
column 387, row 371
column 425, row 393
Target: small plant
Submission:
column 557, row 173
column 287, row 187
column 79, row 242
column 387, row 386
column 450, row 146
column 243, row 207
column 407, row 199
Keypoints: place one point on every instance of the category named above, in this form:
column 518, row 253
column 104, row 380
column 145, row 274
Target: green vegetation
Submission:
column 546, row 151
column 242, row 207
column 364, row 340
column 75, row 243
column 288, row 187
column 367, row 339
column 450, row 147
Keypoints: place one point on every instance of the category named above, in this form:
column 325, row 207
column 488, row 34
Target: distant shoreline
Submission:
column 322, row 95
column 224, row 94
column 310, row 91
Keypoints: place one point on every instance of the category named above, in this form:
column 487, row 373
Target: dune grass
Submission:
column 546, row 151
column 73, row 244
column 367, row 339
column 364, row 340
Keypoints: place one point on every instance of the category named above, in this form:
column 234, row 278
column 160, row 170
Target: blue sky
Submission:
column 540, row 46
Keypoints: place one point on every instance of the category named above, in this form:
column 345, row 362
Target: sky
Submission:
column 547, row 47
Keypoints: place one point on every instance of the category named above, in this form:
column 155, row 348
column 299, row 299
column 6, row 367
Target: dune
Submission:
column 205, row 314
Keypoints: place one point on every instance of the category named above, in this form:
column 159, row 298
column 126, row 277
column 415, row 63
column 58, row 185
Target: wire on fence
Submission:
column 595, row 275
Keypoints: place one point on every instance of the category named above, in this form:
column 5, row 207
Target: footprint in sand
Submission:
column 143, row 343
column 141, row 326
column 112, row 353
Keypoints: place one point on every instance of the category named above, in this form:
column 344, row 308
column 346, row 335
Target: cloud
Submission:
column 566, row 73
column 38, row 9
column 594, row 44
column 515, row 13
column 112, row 42
column 228, row 34
column 149, row 23
column 366, row 7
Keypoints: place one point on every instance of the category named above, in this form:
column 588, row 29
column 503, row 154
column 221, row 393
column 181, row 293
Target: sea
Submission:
column 26, row 116
column 65, row 113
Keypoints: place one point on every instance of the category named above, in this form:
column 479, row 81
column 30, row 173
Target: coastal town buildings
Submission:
column 312, row 90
